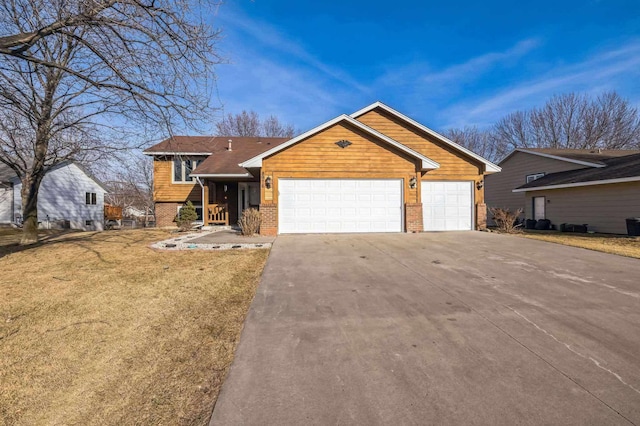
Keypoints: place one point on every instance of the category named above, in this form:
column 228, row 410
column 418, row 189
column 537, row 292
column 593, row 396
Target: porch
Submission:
column 224, row 201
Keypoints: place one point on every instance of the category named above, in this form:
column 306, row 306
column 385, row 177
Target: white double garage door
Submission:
column 355, row 205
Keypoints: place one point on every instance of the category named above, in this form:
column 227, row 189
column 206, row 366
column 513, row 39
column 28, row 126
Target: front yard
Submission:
column 607, row 243
column 96, row 328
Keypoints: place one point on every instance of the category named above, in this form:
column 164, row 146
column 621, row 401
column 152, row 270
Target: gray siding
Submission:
column 514, row 173
column 603, row 207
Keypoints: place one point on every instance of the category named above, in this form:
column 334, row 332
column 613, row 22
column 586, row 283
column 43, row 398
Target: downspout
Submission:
column 202, row 199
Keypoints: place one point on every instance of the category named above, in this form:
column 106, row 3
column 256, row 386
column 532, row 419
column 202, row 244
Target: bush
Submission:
column 249, row 223
column 186, row 217
column 505, row 220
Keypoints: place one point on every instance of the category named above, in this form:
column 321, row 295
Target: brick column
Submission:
column 269, row 219
column 481, row 216
column 413, row 217
column 165, row 214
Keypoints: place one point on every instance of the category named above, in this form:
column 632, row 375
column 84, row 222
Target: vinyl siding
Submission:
column 499, row 186
column 6, row 204
column 603, row 207
column 62, row 197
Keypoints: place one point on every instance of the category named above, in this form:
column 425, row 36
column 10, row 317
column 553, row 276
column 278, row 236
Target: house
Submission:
column 375, row 170
column 69, row 197
column 596, row 187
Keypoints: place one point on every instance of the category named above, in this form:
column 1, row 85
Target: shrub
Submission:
column 505, row 220
column 187, row 216
column 249, row 223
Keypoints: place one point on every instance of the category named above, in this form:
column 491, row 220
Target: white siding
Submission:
column 6, row 204
column 62, row 197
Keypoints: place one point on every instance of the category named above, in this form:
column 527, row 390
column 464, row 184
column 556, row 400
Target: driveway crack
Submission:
column 471, row 308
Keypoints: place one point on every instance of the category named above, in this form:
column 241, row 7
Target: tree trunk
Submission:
column 29, row 193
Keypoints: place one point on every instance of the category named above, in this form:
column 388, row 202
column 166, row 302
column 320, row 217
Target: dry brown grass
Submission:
column 614, row 244
column 96, row 328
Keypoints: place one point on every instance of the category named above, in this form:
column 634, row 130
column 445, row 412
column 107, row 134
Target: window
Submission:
column 198, row 212
column 182, row 168
column 531, row 178
column 88, row 223
column 90, row 198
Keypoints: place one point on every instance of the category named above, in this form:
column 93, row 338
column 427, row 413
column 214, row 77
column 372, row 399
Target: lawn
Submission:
column 608, row 243
column 96, row 328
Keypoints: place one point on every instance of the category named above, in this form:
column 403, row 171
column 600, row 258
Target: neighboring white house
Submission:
column 69, row 197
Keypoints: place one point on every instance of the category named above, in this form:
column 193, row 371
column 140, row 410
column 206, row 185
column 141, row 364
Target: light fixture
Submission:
column 413, row 182
column 267, row 182
column 480, row 184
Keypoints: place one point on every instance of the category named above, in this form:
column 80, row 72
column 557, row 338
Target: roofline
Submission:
column 175, row 153
column 256, row 161
column 554, row 157
column 578, row 184
column 221, row 175
column 489, row 166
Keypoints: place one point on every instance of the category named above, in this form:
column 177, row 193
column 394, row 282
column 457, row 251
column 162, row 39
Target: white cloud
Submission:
column 607, row 70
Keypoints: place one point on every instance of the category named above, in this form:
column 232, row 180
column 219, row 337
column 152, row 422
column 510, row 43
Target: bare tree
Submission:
column 574, row 121
column 482, row 142
column 79, row 77
column 271, row 127
column 248, row 124
column 132, row 185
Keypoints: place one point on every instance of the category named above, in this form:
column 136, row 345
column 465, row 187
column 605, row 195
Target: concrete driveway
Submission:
column 437, row 328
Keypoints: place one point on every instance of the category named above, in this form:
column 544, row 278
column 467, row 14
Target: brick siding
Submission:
column 269, row 216
column 413, row 217
column 165, row 214
column 481, row 216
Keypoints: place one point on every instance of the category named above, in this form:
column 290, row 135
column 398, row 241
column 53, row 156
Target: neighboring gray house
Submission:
column 69, row 196
column 598, row 188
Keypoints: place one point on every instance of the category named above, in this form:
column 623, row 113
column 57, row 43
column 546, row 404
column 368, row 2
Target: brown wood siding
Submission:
column 319, row 157
column 452, row 162
column 166, row 191
column 603, row 207
column 499, row 186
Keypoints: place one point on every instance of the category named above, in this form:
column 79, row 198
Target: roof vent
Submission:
column 229, row 149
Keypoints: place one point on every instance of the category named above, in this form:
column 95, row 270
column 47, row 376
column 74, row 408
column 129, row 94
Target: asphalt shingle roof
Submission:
column 615, row 168
column 221, row 160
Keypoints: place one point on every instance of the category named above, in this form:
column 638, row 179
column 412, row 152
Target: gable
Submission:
column 319, row 153
column 451, row 160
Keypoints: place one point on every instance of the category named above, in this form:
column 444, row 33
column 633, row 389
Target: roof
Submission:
column 202, row 145
column 613, row 170
column 223, row 162
column 427, row 163
column 585, row 157
column 489, row 166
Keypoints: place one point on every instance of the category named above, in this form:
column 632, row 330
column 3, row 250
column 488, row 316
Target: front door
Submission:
column 539, row 204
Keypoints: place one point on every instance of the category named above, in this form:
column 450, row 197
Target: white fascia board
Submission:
column 222, row 175
column 556, row 157
column 175, row 153
column 577, row 184
column 489, row 166
column 427, row 163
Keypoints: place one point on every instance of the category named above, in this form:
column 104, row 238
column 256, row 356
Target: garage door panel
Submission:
column 447, row 206
column 349, row 205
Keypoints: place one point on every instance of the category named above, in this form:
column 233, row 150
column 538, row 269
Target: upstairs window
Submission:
column 531, row 178
column 182, row 168
column 90, row 198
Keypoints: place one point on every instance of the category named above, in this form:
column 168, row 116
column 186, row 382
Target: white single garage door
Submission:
column 447, row 206
column 334, row 206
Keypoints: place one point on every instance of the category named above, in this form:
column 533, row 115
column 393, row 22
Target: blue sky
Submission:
column 445, row 64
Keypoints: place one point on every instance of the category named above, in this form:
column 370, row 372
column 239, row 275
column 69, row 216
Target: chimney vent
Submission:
column 229, row 149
